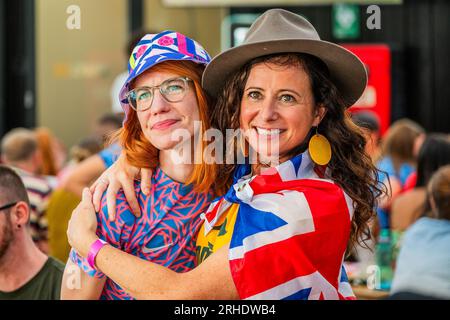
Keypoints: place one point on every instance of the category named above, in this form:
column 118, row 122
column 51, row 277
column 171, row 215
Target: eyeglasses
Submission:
column 6, row 206
column 172, row 90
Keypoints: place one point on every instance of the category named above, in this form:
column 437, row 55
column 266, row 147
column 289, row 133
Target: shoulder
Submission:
column 427, row 230
column 110, row 154
column 37, row 184
column 409, row 200
column 124, row 214
column 426, row 223
column 386, row 164
column 55, row 265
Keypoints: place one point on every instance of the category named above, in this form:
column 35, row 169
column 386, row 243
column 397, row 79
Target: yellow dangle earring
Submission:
column 319, row 149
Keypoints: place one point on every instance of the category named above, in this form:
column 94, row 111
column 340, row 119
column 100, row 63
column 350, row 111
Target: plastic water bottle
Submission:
column 383, row 256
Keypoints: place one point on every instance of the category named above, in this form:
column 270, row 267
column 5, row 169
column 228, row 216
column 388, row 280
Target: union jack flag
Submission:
column 291, row 233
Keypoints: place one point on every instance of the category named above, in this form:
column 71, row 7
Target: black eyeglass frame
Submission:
column 9, row 205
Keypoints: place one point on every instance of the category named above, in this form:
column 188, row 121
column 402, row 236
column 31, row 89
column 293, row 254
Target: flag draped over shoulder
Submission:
column 291, row 232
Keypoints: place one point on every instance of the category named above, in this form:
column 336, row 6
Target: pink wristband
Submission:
column 95, row 248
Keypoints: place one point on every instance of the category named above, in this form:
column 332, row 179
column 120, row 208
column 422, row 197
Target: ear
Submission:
column 20, row 213
column 319, row 114
column 433, row 207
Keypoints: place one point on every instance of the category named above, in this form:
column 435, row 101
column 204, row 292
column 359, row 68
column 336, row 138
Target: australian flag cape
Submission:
column 291, row 232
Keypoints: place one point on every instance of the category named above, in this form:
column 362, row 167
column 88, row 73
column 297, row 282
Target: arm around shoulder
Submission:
column 146, row 280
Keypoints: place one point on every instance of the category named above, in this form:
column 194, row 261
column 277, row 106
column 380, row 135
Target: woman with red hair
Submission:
column 161, row 95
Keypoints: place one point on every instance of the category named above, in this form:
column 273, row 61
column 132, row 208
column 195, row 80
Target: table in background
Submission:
column 363, row 293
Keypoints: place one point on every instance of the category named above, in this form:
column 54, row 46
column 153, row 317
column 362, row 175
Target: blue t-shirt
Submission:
column 110, row 154
column 423, row 264
column 402, row 175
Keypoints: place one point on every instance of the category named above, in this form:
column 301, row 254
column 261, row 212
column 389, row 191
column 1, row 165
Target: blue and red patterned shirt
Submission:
column 165, row 233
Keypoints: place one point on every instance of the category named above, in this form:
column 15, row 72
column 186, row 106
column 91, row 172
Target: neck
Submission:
column 25, row 166
column 263, row 164
column 178, row 166
column 20, row 263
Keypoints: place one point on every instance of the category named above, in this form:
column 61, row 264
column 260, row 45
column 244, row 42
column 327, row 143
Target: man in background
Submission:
column 19, row 150
column 25, row 272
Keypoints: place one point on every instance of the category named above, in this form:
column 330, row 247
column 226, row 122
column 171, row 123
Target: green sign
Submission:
column 345, row 21
column 234, row 29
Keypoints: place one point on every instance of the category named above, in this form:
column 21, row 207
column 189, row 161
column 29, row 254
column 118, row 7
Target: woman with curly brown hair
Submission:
column 305, row 190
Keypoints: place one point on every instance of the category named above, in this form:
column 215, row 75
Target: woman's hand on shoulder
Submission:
column 120, row 175
column 81, row 230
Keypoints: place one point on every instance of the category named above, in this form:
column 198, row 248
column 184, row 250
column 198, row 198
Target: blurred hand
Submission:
column 120, row 175
column 81, row 231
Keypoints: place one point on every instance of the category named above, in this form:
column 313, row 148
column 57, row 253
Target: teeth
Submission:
column 268, row 132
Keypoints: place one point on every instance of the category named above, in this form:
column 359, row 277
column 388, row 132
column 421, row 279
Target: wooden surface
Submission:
column 363, row 293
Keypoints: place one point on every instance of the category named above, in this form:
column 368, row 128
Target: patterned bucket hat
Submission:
column 156, row 48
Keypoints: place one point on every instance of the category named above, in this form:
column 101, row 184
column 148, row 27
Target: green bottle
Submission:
column 383, row 258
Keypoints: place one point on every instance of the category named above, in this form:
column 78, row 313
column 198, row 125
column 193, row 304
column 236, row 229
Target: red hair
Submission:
column 142, row 154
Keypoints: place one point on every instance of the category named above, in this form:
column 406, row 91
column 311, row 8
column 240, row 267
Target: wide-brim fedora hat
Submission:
column 281, row 31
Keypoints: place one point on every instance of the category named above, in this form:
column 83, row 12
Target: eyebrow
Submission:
column 258, row 88
column 289, row 90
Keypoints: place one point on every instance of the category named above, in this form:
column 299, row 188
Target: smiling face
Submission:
column 159, row 122
column 278, row 109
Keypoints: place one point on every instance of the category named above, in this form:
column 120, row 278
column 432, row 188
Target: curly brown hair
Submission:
column 350, row 167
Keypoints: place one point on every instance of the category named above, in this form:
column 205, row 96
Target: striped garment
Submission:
column 39, row 192
column 165, row 233
column 290, row 234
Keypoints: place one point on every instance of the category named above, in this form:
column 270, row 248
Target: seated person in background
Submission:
column 19, row 149
column 411, row 204
column 62, row 202
column 88, row 170
column 423, row 265
column 397, row 162
column 25, row 272
column 411, row 180
column 53, row 154
column 107, row 124
column 370, row 125
column 78, row 153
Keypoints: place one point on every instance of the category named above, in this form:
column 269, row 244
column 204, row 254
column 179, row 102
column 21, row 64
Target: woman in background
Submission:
column 397, row 163
column 412, row 204
column 423, row 265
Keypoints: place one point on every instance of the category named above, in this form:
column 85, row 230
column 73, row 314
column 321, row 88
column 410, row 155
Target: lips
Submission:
column 268, row 132
column 161, row 125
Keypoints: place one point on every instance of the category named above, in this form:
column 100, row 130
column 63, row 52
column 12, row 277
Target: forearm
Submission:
column 77, row 285
column 142, row 279
column 83, row 174
column 146, row 280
